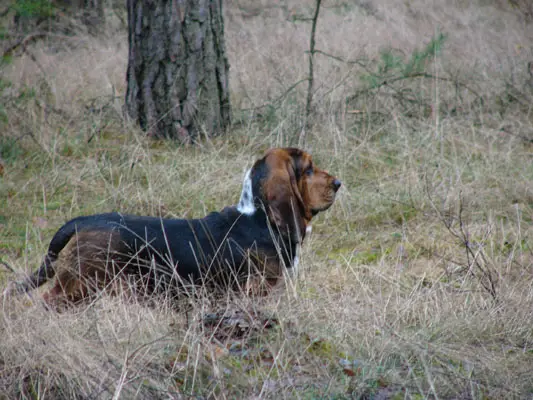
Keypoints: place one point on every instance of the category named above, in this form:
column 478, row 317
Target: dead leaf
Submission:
column 351, row 368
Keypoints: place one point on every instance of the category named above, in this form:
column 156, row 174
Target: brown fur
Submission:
column 91, row 260
column 292, row 200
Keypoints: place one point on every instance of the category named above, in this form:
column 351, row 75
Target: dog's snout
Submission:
column 336, row 184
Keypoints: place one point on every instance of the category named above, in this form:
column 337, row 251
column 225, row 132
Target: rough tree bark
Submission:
column 177, row 68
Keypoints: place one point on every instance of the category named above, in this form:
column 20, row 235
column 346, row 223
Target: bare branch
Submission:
column 387, row 82
column 340, row 59
column 3, row 13
column 9, row 267
column 277, row 99
column 23, row 42
column 309, row 101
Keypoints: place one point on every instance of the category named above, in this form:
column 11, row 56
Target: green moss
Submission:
column 33, row 8
column 10, row 149
column 53, row 205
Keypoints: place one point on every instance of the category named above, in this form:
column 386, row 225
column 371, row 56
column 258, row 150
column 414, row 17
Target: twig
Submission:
column 475, row 259
column 4, row 12
column 518, row 135
column 387, row 82
column 279, row 98
column 26, row 40
column 9, row 267
column 23, row 42
column 340, row 59
column 308, row 105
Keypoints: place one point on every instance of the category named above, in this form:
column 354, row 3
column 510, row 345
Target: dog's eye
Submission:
column 309, row 171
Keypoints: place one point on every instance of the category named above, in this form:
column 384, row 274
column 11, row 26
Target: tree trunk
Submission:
column 177, row 68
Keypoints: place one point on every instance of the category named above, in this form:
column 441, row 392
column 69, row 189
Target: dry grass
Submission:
column 388, row 303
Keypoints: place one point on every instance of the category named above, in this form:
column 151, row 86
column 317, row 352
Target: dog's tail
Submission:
column 46, row 270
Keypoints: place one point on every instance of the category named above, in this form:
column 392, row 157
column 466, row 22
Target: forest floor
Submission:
column 417, row 283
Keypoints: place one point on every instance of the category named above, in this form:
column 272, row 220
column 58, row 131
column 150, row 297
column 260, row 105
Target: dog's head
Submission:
column 290, row 187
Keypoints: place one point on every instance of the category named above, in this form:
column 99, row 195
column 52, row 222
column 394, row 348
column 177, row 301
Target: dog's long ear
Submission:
column 286, row 207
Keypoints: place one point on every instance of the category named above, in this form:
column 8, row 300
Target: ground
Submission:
column 416, row 284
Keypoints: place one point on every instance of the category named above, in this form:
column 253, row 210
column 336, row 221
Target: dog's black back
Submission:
column 216, row 250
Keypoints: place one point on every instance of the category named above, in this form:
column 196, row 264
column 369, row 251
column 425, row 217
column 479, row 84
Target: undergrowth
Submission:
column 415, row 284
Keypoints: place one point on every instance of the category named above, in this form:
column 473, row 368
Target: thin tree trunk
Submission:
column 311, row 80
column 177, row 68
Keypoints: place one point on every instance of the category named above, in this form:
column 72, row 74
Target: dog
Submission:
column 251, row 242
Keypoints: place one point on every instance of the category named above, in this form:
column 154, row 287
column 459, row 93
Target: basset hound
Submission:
column 256, row 239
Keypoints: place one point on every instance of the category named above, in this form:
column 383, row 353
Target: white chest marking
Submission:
column 246, row 203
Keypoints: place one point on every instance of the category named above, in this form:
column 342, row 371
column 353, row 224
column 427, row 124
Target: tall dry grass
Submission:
column 391, row 300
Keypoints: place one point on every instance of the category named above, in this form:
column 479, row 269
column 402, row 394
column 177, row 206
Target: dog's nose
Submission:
column 336, row 184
